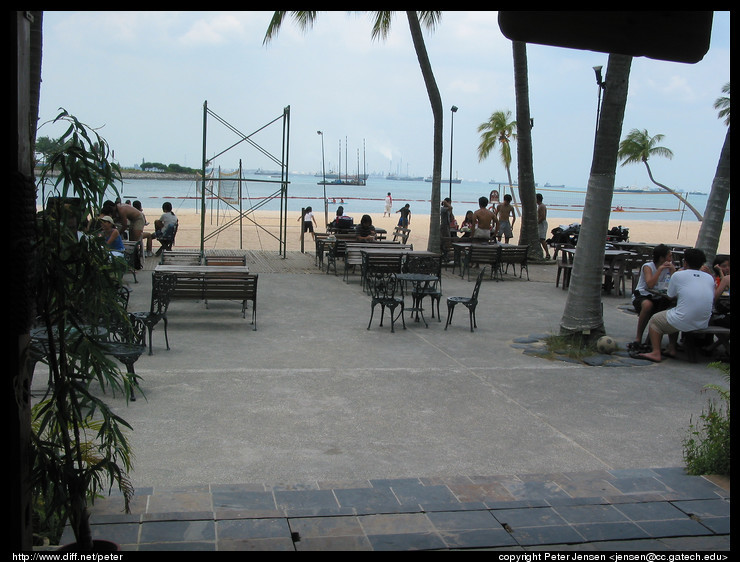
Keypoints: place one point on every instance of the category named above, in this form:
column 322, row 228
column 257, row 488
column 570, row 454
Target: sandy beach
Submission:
column 265, row 236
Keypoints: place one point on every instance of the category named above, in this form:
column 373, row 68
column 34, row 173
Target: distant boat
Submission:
column 636, row 190
column 404, row 178
column 549, row 185
column 428, row 179
column 261, row 172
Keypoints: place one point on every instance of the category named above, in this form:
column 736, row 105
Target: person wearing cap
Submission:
column 112, row 236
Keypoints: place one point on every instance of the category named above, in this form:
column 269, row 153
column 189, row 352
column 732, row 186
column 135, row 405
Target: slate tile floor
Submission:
column 641, row 509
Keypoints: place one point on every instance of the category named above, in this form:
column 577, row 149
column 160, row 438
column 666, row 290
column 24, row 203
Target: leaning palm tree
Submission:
column 711, row 227
column 639, row 146
column 502, row 129
column 381, row 28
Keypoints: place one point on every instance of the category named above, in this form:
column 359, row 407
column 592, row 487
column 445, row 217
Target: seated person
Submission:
column 694, row 291
column 164, row 227
column 652, row 275
column 366, row 230
column 468, row 224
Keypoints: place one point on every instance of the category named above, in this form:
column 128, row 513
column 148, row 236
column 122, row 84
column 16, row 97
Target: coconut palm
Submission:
column 528, row 233
column 380, row 29
column 583, row 308
column 711, row 227
column 502, row 129
column 639, row 146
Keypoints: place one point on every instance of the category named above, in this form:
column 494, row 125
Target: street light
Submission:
column 602, row 85
column 323, row 171
column 452, row 123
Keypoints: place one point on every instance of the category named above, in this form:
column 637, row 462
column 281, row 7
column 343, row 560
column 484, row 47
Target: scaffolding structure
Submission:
column 227, row 188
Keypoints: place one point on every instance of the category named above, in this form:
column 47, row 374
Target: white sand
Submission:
column 253, row 238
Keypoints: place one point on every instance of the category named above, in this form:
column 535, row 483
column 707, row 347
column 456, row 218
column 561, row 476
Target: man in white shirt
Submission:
column 694, row 291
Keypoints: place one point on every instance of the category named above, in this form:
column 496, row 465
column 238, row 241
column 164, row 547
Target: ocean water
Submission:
column 303, row 191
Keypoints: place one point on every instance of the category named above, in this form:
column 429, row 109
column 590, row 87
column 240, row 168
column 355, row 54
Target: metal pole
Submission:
column 323, row 171
column 452, row 123
column 203, row 187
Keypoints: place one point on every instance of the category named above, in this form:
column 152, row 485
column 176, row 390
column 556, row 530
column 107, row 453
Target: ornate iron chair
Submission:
column 163, row 286
column 469, row 302
column 431, row 265
column 127, row 343
column 383, row 288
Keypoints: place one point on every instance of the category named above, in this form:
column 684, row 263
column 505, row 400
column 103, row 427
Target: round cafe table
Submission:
column 421, row 282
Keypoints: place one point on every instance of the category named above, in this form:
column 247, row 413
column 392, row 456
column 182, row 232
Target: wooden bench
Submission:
column 483, row 254
column 353, row 252
column 515, row 255
column 219, row 284
column 692, row 340
column 224, row 259
column 401, row 234
column 180, row 257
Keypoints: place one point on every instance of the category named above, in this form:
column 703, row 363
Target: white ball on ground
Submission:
column 606, row 344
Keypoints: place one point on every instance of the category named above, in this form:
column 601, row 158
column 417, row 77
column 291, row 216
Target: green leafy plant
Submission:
column 707, row 445
column 78, row 444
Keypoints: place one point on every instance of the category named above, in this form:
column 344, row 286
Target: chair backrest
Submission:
column 383, row 285
column 424, row 264
column 163, row 285
column 478, row 282
column 382, row 263
column 402, row 233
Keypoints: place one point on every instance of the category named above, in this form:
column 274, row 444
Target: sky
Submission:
column 141, row 79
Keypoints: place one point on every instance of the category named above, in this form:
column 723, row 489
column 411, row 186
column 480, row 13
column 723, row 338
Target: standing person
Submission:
column 652, row 275
column 308, row 221
column 405, row 219
column 485, row 220
column 504, row 211
column 388, row 204
column 694, row 291
column 446, row 218
column 542, row 225
column 129, row 217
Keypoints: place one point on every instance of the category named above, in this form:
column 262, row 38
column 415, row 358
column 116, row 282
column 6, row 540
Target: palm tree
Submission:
column 381, row 28
column 528, row 233
column 502, row 129
column 711, row 227
column 583, row 308
column 639, row 146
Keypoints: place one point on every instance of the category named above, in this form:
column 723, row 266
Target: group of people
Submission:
column 492, row 219
column 670, row 300
column 117, row 218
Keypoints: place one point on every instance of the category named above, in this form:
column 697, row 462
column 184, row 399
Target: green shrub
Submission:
column 707, row 446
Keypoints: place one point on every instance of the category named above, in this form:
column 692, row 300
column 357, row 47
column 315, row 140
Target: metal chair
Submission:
column 470, row 302
column 163, row 286
column 433, row 266
column 383, row 288
column 127, row 343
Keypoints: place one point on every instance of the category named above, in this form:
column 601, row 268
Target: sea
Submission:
column 262, row 192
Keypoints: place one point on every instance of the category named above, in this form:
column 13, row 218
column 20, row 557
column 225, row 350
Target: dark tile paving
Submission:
column 630, row 510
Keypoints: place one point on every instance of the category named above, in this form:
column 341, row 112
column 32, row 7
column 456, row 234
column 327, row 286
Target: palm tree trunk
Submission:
column 668, row 189
column 433, row 244
column 714, row 215
column 583, row 310
column 528, row 233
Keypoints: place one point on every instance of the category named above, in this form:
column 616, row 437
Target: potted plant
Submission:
column 78, row 444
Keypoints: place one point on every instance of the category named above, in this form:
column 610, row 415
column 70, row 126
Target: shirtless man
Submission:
column 542, row 225
column 504, row 211
column 483, row 220
column 129, row 217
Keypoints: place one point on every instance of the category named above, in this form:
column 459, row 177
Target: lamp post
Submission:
column 600, row 83
column 452, row 123
column 323, row 171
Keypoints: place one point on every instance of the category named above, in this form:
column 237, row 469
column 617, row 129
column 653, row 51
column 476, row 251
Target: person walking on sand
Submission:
column 388, row 205
column 308, row 222
column 405, row 219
